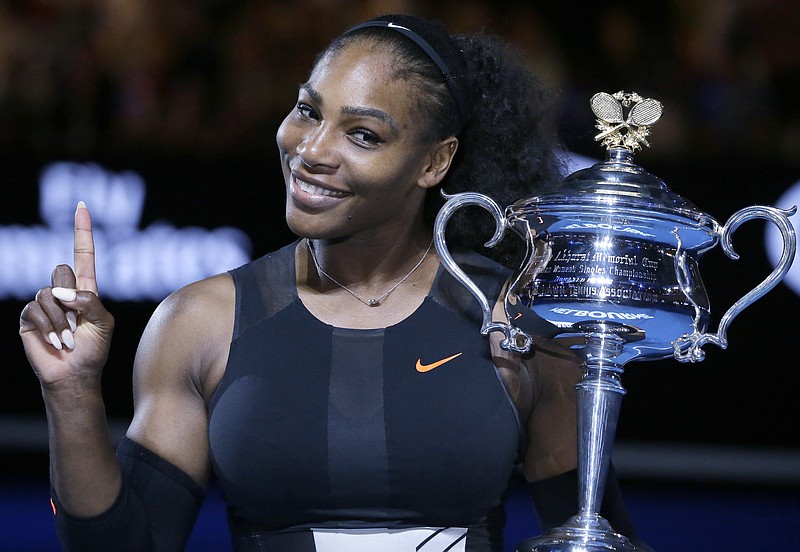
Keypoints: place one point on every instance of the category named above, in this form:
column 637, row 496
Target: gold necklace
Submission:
column 375, row 302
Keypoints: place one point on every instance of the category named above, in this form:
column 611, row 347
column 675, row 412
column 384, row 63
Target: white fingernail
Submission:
column 69, row 341
column 54, row 340
column 64, row 294
column 72, row 320
column 81, row 205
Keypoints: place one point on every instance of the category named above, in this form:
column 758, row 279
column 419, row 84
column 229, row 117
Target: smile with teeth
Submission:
column 316, row 190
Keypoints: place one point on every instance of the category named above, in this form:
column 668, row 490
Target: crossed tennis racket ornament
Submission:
column 617, row 130
column 612, row 261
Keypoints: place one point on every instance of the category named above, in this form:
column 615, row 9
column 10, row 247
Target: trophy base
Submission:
column 580, row 534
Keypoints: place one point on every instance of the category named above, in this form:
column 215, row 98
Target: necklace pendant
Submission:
column 376, row 302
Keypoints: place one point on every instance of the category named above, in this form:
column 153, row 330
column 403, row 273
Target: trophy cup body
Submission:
column 612, row 259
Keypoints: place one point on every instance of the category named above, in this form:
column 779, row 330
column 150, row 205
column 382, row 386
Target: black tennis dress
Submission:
column 329, row 439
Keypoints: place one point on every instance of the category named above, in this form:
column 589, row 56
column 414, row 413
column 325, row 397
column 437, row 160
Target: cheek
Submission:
column 286, row 136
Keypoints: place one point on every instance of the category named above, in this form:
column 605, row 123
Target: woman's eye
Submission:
column 306, row 111
column 366, row 136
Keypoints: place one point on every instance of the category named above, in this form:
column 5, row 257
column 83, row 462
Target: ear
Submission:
column 440, row 156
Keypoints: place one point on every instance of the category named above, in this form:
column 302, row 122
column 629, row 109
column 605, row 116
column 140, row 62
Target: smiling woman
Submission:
column 337, row 389
column 355, row 156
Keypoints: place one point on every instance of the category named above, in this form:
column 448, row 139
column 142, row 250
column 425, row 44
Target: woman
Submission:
column 338, row 389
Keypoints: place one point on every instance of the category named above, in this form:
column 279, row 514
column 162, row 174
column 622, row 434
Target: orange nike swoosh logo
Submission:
column 519, row 314
column 428, row 367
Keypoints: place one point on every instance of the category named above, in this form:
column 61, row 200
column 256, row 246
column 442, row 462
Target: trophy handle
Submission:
column 688, row 348
column 515, row 339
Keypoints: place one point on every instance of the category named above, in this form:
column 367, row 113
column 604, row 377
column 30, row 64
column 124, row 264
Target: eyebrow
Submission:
column 356, row 110
column 311, row 91
column 374, row 113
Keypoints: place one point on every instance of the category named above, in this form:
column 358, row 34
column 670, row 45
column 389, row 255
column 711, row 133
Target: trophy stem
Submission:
column 599, row 394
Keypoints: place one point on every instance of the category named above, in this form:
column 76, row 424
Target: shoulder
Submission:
column 202, row 301
column 489, row 275
column 216, row 296
column 189, row 332
column 194, row 325
column 279, row 259
column 478, row 262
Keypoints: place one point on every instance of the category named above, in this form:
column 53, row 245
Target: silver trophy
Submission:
column 612, row 260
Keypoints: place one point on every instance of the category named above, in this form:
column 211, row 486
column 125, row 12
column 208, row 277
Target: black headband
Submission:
column 451, row 79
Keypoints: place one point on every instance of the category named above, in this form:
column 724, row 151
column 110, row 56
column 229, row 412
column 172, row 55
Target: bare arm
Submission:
column 552, row 423
column 180, row 359
column 541, row 385
column 66, row 333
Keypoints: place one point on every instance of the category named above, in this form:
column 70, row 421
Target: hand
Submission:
column 66, row 330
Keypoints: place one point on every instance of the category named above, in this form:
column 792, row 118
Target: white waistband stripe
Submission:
column 418, row 539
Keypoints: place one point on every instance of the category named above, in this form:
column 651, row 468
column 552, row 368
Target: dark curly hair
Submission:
column 507, row 141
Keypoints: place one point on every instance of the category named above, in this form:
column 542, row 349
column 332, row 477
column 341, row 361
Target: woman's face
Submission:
column 352, row 151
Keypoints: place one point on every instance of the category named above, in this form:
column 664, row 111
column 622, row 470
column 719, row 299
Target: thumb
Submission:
column 85, row 303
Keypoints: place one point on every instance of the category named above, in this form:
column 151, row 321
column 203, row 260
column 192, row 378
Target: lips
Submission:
column 314, row 195
column 317, row 190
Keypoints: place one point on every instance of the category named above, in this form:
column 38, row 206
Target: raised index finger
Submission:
column 84, row 250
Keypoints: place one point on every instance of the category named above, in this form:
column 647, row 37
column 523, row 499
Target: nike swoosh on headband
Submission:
column 463, row 103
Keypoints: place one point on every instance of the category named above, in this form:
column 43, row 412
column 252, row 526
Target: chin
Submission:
column 304, row 228
column 315, row 226
column 297, row 229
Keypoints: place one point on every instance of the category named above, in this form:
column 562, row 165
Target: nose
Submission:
column 315, row 147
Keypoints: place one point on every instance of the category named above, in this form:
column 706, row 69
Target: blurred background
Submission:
column 162, row 117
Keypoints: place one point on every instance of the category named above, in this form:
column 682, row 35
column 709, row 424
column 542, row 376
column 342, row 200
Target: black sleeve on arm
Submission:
column 154, row 512
column 556, row 500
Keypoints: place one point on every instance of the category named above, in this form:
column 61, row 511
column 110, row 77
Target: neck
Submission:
column 369, row 272
column 371, row 261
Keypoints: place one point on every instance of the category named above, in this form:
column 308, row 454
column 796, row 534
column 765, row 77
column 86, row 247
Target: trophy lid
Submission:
column 617, row 186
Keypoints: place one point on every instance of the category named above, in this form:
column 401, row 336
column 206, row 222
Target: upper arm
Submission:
column 552, row 423
column 542, row 385
column 183, row 346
